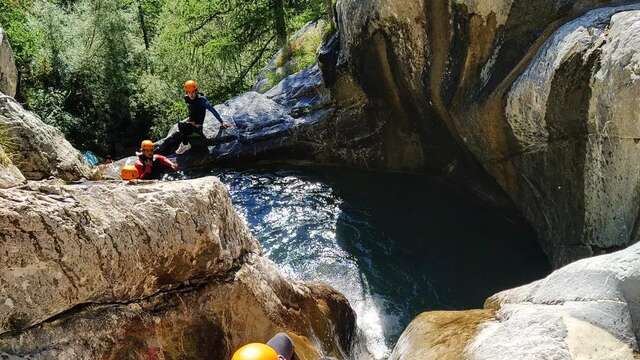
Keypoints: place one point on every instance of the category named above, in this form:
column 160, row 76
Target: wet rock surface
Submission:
column 274, row 125
column 441, row 335
column 586, row 310
column 39, row 150
column 109, row 270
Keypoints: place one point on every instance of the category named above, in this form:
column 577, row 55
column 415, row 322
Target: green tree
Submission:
column 109, row 72
column 14, row 19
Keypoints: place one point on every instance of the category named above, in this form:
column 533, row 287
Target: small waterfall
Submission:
column 394, row 245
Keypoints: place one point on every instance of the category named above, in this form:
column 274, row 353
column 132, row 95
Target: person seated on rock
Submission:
column 152, row 166
column 280, row 347
column 198, row 106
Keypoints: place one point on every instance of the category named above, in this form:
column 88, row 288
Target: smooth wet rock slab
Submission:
column 266, row 126
column 442, row 335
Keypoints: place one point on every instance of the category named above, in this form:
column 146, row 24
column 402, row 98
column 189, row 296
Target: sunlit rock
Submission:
column 9, row 173
column 39, row 150
column 586, row 310
column 106, row 270
column 538, row 97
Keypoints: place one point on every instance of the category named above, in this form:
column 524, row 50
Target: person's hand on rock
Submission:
column 225, row 125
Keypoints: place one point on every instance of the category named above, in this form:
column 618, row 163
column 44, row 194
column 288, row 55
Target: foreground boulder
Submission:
column 8, row 71
column 589, row 309
column 109, row 271
column 39, row 150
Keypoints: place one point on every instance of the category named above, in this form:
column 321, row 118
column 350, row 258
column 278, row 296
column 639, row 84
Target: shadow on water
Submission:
column 425, row 247
column 395, row 245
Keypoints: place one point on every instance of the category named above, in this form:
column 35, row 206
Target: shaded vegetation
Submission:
column 108, row 73
column 298, row 54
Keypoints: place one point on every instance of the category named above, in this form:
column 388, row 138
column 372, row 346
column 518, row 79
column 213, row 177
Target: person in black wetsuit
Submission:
column 198, row 106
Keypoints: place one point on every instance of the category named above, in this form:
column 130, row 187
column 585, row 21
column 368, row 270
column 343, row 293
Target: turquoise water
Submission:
column 395, row 245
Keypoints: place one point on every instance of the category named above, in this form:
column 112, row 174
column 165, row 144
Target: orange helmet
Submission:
column 255, row 351
column 146, row 145
column 129, row 172
column 190, row 86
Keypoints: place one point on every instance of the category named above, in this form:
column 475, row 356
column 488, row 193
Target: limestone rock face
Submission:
column 586, row 310
column 106, row 270
column 573, row 118
column 8, row 71
column 508, row 92
column 40, row 150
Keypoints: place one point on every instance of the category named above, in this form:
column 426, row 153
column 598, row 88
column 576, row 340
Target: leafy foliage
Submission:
column 299, row 54
column 109, row 72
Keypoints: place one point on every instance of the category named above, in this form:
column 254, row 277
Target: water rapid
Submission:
column 394, row 245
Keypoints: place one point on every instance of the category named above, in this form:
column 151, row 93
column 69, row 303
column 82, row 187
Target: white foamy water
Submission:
column 296, row 222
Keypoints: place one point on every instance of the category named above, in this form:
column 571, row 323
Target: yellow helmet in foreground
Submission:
column 255, row 351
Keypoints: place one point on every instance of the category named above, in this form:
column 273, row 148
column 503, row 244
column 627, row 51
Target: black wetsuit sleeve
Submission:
column 208, row 106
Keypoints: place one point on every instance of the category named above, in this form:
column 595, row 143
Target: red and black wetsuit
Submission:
column 159, row 166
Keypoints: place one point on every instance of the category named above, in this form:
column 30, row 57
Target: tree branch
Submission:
column 209, row 19
column 254, row 61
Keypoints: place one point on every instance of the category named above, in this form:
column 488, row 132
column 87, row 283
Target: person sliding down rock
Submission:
column 280, row 347
column 198, row 106
column 151, row 166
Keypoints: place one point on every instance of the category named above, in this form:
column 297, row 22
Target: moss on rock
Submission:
column 298, row 55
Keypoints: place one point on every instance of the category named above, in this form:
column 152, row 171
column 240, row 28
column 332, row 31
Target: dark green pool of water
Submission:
column 395, row 245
